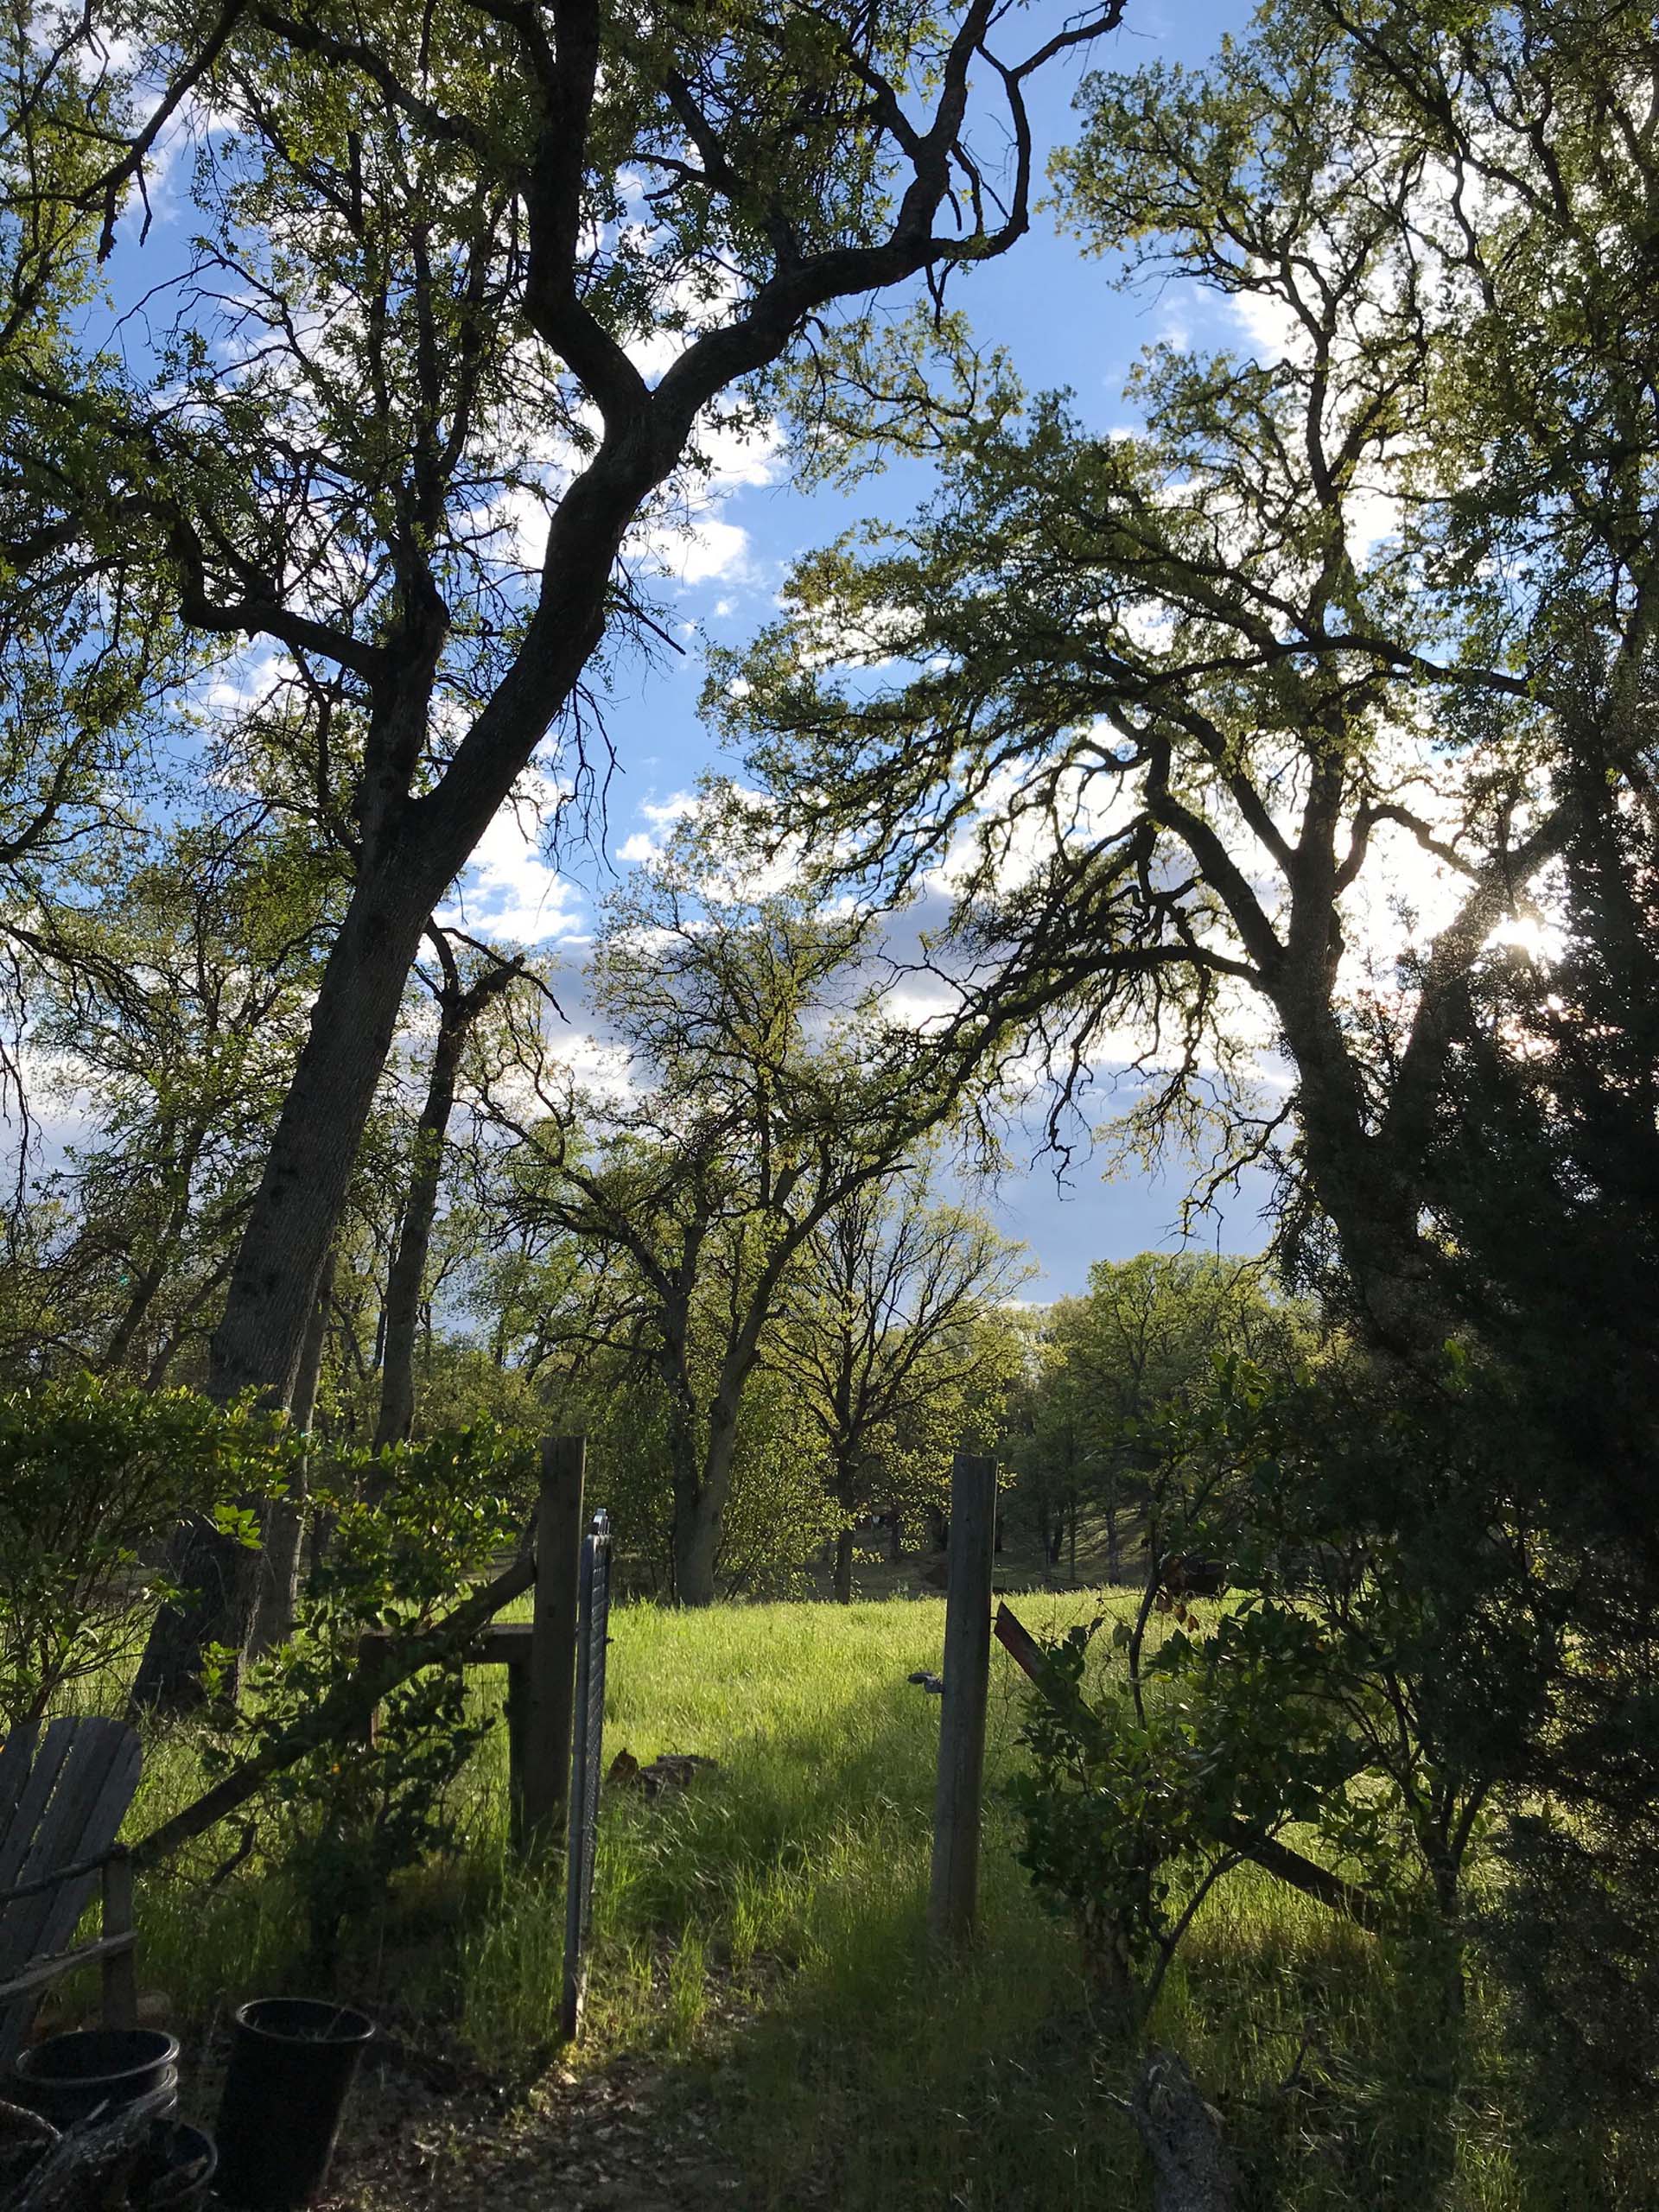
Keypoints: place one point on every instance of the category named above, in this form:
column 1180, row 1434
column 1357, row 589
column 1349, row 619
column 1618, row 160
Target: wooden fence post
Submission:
column 953, row 1893
column 120, row 1968
column 542, row 1691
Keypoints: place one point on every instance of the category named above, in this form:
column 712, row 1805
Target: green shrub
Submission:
column 94, row 1473
column 408, row 1528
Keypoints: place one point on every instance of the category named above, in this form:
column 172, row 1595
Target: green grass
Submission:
column 763, row 1935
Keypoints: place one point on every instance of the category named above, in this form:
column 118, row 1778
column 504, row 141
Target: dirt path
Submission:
column 625, row 2139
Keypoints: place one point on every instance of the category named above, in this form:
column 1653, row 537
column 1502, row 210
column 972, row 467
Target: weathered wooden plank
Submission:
column 65, row 1817
column 40, row 1972
column 17, row 1756
column 31, row 1802
column 42, row 1836
column 503, row 1644
column 94, row 1793
column 548, row 1679
column 517, row 1710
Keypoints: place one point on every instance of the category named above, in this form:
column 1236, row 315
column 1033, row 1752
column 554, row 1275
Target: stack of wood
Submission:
column 96, row 2163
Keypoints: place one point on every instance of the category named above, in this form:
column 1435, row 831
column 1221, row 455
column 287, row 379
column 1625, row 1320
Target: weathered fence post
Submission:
column 541, row 1689
column 120, row 1968
column 953, row 1893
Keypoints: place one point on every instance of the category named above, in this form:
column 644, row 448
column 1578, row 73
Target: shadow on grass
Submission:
column 762, row 1938
column 769, row 2029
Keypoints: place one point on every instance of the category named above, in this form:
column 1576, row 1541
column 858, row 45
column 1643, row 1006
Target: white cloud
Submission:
column 1271, row 325
column 645, row 845
column 696, row 552
column 508, row 890
column 739, row 457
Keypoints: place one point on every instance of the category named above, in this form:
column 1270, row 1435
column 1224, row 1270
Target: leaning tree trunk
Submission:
column 274, row 1283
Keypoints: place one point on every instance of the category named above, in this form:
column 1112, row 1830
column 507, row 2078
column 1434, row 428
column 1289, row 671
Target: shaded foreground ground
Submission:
column 766, row 2026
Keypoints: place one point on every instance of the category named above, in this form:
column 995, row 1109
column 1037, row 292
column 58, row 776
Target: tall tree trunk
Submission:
column 896, row 1535
column 400, row 1323
column 843, row 1582
column 414, row 1242
column 278, row 1588
column 696, row 1540
column 700, row 1494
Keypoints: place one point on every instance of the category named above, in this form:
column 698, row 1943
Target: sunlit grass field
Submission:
column 763, row 1935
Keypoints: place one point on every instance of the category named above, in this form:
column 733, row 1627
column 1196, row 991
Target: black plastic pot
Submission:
column 69, row 2077
column 175, row 2172
column 292, row 2061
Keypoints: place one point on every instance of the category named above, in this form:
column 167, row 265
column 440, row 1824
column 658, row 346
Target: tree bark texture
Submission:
column 408, row 1270
column 215, row 1578
column 313, row 1151
column 696, row 1540
column 701, row 1468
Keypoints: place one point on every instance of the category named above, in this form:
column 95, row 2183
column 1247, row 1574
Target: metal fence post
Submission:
column 953, row 1891
column 586, row 1768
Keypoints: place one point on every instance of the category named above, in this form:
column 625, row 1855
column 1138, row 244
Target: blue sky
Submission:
column 1064, row 324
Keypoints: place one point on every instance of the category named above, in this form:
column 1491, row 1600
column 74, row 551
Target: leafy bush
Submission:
column 1337, row 1687
column 409, row 1526
column 94, row 1473
column 1573, row 1929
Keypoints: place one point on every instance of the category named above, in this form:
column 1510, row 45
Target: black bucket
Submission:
column 175, row 2171
column 293, row 2059
column 69, row 2077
